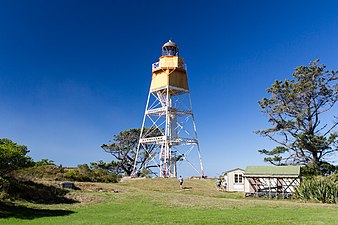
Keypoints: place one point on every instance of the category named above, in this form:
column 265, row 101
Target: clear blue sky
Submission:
column 73, row 73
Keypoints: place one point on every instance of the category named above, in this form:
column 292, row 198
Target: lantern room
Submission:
column 170, row 49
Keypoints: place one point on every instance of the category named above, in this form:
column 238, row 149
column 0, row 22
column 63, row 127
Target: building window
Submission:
column 238, row 178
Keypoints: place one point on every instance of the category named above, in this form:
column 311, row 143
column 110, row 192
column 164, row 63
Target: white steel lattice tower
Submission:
column 168, row 133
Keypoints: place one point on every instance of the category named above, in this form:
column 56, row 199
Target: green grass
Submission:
column 160, row 201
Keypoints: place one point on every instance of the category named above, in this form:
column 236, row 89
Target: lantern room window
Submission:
column 170, row 49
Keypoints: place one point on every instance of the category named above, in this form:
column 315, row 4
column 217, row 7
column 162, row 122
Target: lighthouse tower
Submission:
column 168, row 134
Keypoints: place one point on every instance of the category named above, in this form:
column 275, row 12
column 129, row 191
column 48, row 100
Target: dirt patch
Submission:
column 96, row 187
column 85, row 197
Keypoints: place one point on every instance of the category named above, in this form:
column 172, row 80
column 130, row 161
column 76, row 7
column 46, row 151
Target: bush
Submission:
column 86, row 174
column 323, row 189
column 49, row 172
column 3, row 189
column 82, row 173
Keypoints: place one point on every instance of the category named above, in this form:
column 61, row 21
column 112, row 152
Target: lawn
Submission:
column 160, row 201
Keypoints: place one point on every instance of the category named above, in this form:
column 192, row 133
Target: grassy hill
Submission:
column 160, row 201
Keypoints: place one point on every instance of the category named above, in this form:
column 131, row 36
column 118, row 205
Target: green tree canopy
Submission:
column 45, row 162
column 124, row 147
column 13, row 156
column 294, row 110
column 112, row 167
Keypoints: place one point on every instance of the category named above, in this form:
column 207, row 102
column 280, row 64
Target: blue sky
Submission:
column 73, row 73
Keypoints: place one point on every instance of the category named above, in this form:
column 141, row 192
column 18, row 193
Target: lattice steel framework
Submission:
column 168, row 133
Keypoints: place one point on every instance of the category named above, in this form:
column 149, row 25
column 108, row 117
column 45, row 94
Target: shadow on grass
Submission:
column 8, row 210
column 187, row 188
column 37, row 193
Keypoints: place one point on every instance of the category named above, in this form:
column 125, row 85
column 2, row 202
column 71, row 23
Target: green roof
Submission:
column 272, row 171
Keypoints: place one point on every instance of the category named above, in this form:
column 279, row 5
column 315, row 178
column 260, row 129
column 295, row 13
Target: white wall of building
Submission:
column 235, row 180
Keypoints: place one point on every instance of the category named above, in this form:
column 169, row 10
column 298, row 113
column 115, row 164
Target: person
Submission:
column 181, row 182
column 218, row 184
column 224, row 185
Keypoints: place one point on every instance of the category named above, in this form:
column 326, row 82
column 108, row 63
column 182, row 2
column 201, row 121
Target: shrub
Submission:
column 323, row 189
column 3, row 189
column 49, row 172
column 57, row 173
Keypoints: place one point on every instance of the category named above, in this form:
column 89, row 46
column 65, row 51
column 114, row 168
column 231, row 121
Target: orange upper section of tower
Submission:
column 169, row 71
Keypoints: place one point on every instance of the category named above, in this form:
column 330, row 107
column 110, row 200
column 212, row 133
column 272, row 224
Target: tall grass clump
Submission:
column 323, row 189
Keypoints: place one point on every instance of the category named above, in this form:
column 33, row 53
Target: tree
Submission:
column 13, row 156
column 124, row 149
column 324, row 169
column 112, row 167
column 45, row 162
column 295, row 111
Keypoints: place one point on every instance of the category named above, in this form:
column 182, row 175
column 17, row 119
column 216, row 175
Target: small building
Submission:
column 235, row 180
column 271, row 181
